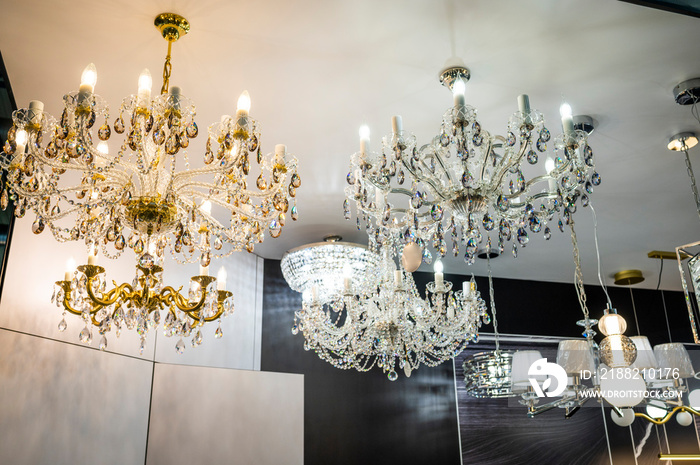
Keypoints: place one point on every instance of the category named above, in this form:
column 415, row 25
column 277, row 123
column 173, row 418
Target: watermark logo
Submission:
column 545, row 371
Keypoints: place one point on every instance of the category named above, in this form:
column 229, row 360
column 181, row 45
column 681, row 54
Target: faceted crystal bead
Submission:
column 515, row 251
column 510, row 139
column 197, row 339
column 103, row 343
column 346, row 209
column 532, row 156
column 547, row 233
column 180, row 346
column 296, row 180
column 436, row 212
column 350, row 178
column 38, row 226
column 219, row 333
column 138, row 246
column 104, row 132
column 62, row 326
column 85, row 336
column 502, row 203
column 192, row 130
column 4, row 199
column 119, row 125
column 392, row 376
column 535, row 224
column 488, row 222
column 147, row 261
column 595, row 179
column 142, row 345
column 523, row 239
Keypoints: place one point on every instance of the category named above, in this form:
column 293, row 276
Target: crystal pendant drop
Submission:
column 146, row 261
column 547, row 233
column 103, row 343
column 4, row 199
column 219, row 333
column 142, row 345
column 180, row 346
column 523, row 239
column 85, row 336
column 197, row 339
column 62, row 326
column 346, row 209
column 515, row 251
column 392, row 376
column 38, row 226
column 488, row 222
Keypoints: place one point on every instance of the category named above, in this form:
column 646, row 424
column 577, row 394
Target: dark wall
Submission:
column 357, row 418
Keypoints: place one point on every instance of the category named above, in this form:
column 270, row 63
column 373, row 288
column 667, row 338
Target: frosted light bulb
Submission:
column 458, row 87
column 565, row 110
column 549, row 165
column 103, row 148
column 206, row 207
column 364, row 132
column 89, row 77
column 21, row 137
column 244, row 102
column 145, row 81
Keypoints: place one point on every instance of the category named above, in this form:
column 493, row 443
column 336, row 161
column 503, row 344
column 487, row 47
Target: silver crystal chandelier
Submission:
column 377, row 316
column 466, row 182
column 142, row 191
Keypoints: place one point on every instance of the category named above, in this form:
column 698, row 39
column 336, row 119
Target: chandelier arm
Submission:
column 504, row 169
column 66, row 298
column 429, row 182
column 487, row 152
column 171, row 296
column 668, row 416
column 123, row 291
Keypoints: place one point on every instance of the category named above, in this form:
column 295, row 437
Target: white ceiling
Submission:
column 316, row 70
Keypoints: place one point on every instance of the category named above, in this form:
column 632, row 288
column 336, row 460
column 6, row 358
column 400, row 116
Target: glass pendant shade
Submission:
column 612, row 323
column 574, row 355
column 675, row 357
column 617, row 351
column 646, row 360
column 488, row 374
column 326, row 265
column 522, row 360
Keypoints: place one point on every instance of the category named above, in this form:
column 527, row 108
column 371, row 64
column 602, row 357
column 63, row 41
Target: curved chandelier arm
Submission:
column 65, row 285
column 669, row 415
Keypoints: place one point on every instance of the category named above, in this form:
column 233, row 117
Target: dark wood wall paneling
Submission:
column 356, row 418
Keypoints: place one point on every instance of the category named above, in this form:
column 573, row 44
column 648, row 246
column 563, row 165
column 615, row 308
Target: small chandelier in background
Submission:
column 377, row 317
column 143, row 194
column 467, row 182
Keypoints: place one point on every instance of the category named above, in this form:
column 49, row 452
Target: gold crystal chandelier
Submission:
column 141, row 193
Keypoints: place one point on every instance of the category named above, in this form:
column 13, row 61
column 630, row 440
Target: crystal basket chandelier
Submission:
column 143, row 194
column 377, row 317
column 467, row 182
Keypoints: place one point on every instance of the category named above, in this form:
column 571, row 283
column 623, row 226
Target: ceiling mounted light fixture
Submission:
column 467, row 183
column 143, row 194
column 360, row 310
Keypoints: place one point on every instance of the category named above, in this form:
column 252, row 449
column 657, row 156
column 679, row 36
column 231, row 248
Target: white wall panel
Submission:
column 208, row 415
column 241, row 341
column 66, row 404
column 35, row 263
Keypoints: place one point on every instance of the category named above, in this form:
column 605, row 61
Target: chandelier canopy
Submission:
column 467, row 182
column 145, row 192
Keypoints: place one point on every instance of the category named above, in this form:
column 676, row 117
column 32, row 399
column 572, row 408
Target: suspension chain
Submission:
column 693, row 185
column 578, row 277
column 167, row 69
column 493, row 303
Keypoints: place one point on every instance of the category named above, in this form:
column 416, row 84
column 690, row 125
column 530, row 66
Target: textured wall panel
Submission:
column 66, row 404
column 209, row 415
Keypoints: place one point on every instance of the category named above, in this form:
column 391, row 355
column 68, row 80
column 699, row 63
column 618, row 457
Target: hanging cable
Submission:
column 693, row 185
column 663, row 300
column 493, row 303
column 634, row 310
column 633, row 446
column 607, row 436
column 597, row 253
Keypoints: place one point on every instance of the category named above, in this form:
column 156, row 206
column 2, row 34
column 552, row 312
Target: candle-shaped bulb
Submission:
column 205, row 207
column 549, row 165
column 92, row 259
column 280, row 152
column 244, row 102
column 347, row 284
column 314, row 293
column 567, row 121
column 398, row 278
column 459, row 87
column 203, row 270
column 21, row 137
column 364, row 139
column 103, row 147
column 565, row 110
column 89, row 78
column 438, row 266
column 145, row 84
column 221, row 279
column 70, row 269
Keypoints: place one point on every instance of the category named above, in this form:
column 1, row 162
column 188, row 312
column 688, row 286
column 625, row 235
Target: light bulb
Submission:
column 21, row 137
column 70, row 269
column 626, row 419
column 89, row 77
column 103, row 147
column 206, row 207
column 611, row 323
column 438, row 266
column 221, row 279
column 145, row 81
column 458, row 87
column 684, row 418
column 364, row 132
column 565, row 110
column 655, row 410
column 549, row 165
column 244, row 102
